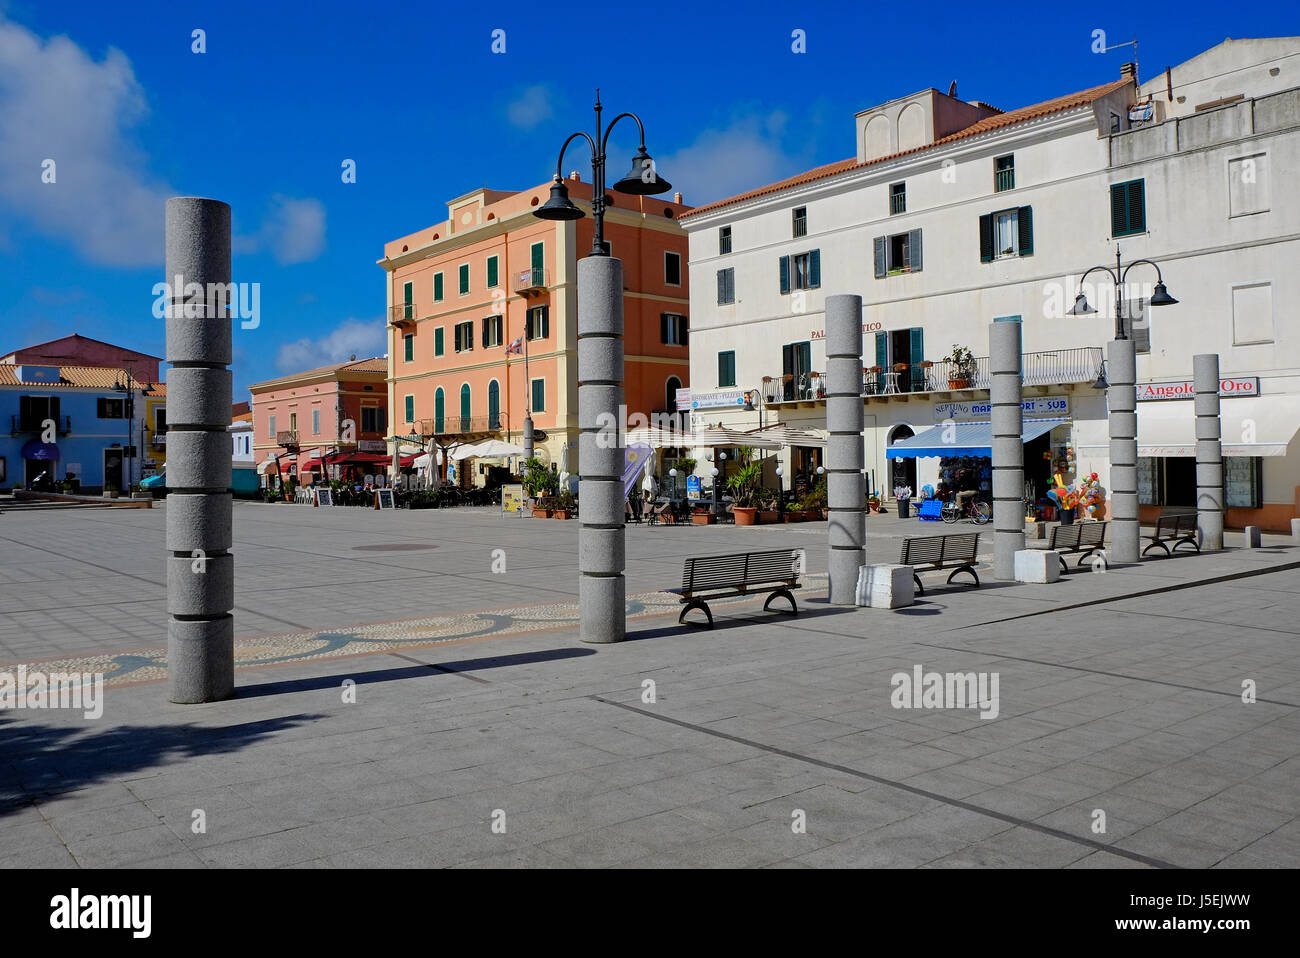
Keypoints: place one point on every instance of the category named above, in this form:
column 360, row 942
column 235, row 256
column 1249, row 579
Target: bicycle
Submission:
column 976, row 510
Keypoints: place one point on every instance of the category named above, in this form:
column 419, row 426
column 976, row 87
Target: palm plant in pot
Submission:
column 564, row 503
column 744, row 485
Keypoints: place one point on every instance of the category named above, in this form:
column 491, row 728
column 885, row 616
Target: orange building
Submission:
column 461, row 291
column 303, row 417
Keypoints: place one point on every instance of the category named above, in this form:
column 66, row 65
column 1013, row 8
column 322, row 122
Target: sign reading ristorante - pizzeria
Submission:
column 1186, row 389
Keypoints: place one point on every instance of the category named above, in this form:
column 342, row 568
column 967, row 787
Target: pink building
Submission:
column 78, row 350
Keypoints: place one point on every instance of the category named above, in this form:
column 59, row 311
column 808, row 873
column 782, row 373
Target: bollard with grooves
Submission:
column 845, row 454
column 1008, row 448
column 1209, row 453
column 1121, row 400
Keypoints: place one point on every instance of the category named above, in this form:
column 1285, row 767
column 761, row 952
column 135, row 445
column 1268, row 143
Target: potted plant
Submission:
column 815, row 502
column 564, row 503
column 904, row 496
column 110, row 490
column 873, row 502
column 962, row 367
column 703, row 516
column 743, row 484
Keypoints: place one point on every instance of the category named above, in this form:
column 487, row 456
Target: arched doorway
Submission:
column 902, row 472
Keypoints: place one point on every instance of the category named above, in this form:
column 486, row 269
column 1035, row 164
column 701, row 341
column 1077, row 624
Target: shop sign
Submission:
column 866, row 328
column 1186, row 389
column 512, row 499
column 1045, row 407
column 372, row 445
column 693, row 487
column 721, row 399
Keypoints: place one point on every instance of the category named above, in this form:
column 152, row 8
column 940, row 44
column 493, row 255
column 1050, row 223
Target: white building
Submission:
column 241, row 438
column 955, row 214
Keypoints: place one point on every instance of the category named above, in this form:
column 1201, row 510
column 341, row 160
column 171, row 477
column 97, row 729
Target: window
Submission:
column 464, row 336
column 464, row 278
column 539, row 395
column 537, row 254
column 801, row 271
column 111, row 409
column 408, row 347
column 270, row 427
column 1114, row 123
column 494, row 405
column 437, row 287
column 1006, row 234
column 727, row 368
column 900, row 253
column 408, row 298
column 724, row 239
column 160, row 419
column 539, row 322
column 493, row 279
column 439, row 412
column 373, row 419
column 897, row 198
column 34, row 410
column 670, row 393
column 673, row 269
column 293, row 422
column 1252, row 314
column 492, row 331
column 1128, row 212
column 464, row 407
column 1248, row 185
column 796, row 364
column 439, row 341
column 1243, row 478
column 672, row 329
column 1004, row 173
column 800, row 222
column 410, row 409
column 726, row 285
column 315, row 422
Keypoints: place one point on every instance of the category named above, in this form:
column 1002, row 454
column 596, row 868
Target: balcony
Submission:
column 19, row 425
column 287, row 438
column 402, row 316
column 159, row 440
column 1040, row 370
column 528, row 282
column 457, row 425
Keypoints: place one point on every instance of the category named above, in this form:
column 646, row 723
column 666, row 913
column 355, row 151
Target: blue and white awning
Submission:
column 962, row 439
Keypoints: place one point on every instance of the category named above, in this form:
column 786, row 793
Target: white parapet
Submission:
column 1037, row 565
column 885, row 586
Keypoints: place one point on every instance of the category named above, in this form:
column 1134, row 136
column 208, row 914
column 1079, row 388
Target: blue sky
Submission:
column 413, row 93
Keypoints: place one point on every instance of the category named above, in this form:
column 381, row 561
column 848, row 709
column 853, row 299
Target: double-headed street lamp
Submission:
column 602, row 589
column 1121, row 405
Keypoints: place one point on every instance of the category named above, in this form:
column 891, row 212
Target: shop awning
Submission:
column 962, row 439
column 1254, row 426
column 35, row 449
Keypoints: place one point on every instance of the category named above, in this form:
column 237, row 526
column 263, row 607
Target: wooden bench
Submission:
column 1178, row 528
column 1084, row 537
column 932, row 553
column 744, row 573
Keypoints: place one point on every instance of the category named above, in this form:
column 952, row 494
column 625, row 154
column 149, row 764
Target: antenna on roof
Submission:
column 952, row 88
column 1127, row 43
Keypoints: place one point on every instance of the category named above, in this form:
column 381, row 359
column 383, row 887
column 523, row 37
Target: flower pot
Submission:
column 795, row 515
column 541, row 513
column 958, row 383
column 768, row 516
column 745, row 515
column 1067, row 517
column 561, row 513
column 904, row 508
column 703, row 518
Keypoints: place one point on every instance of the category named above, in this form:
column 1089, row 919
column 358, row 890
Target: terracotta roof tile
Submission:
column 1046, row 108
column 92, row 377
column 375, row 365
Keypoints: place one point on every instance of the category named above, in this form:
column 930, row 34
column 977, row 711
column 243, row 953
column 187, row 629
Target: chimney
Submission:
column 677, row 198
column 575, row 176
column 1128, row 70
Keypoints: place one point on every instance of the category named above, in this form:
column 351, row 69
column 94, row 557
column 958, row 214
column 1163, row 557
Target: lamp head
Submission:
column 1080, row 307
column 1161, row 297
column 643, row 179
column 558, row 207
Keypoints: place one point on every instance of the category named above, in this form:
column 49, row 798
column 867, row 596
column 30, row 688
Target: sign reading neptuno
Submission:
column 1235, row 386
column 1047, row 407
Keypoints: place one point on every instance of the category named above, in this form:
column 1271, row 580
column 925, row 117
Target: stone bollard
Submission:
column 200, row 568
column 1037, row 565
column 885, row 586
column 845, row 454
column 1253, row 538
column 1008, row 447
column 1209, row 453
column 602, row 588
column 1295, row 531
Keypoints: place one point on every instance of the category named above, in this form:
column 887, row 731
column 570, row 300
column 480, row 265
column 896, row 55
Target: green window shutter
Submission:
column 1118, row 210
column 408, row 345
column 546, row 321
column 494, row 405
column 464, row 278
column 882, row 359
column 407, row 295
column 1025, row 228
column 722, row 369
column 787, row 359
column 487, row 324
column 914, row 251
column 1137, row 209
column 814, row 269
column 916, row 353
column 410, row 409
column 439, row 412
column 785, row 274
column 878, row 254
column 437, row 287
column 438, row 341
column 986, row 238
column 803, row 358
column 456, row 336
column 538, row 255
column 492, row 271
column 464, row 402
column 664, row 320
column 539, row 395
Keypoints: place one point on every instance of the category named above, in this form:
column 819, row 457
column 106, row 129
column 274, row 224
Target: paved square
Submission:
column 476, row 706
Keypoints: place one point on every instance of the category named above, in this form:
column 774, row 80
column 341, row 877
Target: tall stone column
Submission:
column 845, row 456
column 1008, row 449
column 1121, row 400
column 200, row 568
column 1209, row 453
column 602, row 589
column 528, row 432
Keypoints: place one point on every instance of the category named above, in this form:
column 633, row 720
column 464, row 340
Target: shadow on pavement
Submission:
column 42, row 761
column 812, row 608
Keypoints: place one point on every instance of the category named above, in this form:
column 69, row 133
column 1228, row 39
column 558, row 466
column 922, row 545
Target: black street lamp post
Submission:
column 1119, row 275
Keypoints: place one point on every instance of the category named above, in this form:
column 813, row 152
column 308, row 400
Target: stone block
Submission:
column 845, row 452
column 885, row 586
column 600, row 299
column 1037, row 565
column 844, row 416
column 844, row 325
column 1253, row 538
column 198, row 460
column 842, row 569
column 198, row 396
column 199, row 521
column 601, row 502
column 596, row 458
column 1295, row 530
column 595, row 399
column 200, row 586
column 846, row 490
column 603, row 604
column 601, row 550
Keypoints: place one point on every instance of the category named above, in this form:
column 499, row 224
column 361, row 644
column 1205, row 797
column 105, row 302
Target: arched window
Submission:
column 464, row 407
column 494, row 405
column 439, row 413
column 670, row 393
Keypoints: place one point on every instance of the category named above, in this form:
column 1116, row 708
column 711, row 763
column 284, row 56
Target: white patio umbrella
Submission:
column 716, row 436
column 789, row 436
column 495, row 449
column 648, row 479
column 657, row 438
column 564, row 467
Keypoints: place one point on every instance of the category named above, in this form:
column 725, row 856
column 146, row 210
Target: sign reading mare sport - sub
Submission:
column 1045, row 407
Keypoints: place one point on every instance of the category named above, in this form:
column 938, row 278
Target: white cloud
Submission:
column 363, row 338
column 58, row 103
column 531, row 108
column 745, row 154
column 292, row 231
